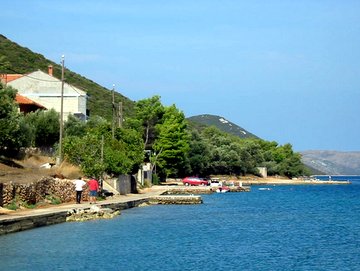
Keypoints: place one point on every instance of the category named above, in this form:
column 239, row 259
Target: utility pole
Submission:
column 102, row 162
column 61, row 111
column 102, row 149
column 113, row 111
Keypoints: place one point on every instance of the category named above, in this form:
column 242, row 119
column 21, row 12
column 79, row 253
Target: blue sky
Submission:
column 287, row 71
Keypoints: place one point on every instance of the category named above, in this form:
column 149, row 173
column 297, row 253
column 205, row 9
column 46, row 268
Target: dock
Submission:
column 200, row 190
column 176, row 199
column 239, row 188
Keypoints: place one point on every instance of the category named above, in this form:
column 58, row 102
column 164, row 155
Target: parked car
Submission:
column 215, row 182
column 195, row 181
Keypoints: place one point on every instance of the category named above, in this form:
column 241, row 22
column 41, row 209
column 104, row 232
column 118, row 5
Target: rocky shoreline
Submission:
column 95, row 212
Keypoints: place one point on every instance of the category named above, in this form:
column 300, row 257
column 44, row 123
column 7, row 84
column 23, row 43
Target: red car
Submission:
column 194, row 181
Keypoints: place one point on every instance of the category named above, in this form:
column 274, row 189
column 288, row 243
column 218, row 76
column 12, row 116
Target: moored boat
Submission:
column 222, row 189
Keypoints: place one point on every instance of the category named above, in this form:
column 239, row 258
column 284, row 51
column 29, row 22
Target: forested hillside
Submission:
column 20, row 60
column 201, row 121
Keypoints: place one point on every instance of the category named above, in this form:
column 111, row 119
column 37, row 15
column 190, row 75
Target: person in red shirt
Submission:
column 94, row 188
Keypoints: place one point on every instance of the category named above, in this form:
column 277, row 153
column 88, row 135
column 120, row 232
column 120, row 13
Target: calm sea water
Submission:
column 285, row 228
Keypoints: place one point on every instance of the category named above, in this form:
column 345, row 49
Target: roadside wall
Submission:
column 124, row 184
column 40, row 191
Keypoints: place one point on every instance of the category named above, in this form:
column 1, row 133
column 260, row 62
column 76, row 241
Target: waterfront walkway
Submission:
column 14, row 221
column 84, row 205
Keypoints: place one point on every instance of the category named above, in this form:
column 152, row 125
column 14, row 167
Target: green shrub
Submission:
column 54, row 200
column 28, row 206
column 12, row 206
column 100, row 198
column 155, row 179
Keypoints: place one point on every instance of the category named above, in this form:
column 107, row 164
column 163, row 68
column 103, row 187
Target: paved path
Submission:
column 85, row 205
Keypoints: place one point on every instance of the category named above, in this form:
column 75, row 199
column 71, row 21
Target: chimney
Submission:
column 50, row 70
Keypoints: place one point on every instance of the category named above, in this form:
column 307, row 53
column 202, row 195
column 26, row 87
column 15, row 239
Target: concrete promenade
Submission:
column 14, row 221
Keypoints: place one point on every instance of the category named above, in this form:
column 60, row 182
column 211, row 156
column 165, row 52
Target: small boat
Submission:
column 222, row 189
column 264, row 188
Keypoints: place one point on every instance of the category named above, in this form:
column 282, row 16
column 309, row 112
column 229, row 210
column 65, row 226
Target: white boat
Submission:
column 264, row 188
column 222, row 189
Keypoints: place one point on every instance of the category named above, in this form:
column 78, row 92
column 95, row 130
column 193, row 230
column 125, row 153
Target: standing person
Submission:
column 93, row 187
column 79, row 184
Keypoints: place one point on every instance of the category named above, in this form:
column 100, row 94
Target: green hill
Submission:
column 221, row 123
column 20, row 60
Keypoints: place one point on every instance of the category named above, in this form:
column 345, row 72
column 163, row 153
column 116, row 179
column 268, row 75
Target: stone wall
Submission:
column 28, row 222
column 40, row 191
column 15, row 224
column 126, row 184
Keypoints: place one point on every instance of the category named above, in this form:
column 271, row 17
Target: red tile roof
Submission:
column 26, row 101
column 6, row 78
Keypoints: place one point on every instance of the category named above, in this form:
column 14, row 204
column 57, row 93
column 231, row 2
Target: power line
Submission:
column 44, row 80
column 75, row 88
column 27, row 75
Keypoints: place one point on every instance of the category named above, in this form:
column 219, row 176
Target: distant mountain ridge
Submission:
column 222, row 124
column 333, row 162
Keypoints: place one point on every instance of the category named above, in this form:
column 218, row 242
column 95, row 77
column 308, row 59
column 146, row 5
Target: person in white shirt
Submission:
column 79, row 184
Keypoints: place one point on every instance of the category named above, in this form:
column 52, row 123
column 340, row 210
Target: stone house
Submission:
column 45, row 89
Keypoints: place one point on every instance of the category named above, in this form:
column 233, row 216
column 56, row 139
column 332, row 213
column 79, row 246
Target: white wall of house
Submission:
column 46, row 90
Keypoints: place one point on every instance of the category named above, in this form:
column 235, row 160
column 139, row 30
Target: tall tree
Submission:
column 86, row 153
column 45, row 125
column 199, row 155
column 172, row 143
column 74, row 126
column 97, row 151
column 148, row 114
